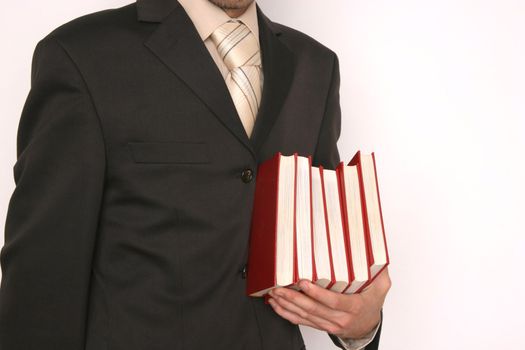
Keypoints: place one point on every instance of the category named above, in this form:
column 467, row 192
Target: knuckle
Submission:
column 333, row 329
column 310, row 308
column 357, row 308
column 283, row 292
column 277, row 308
column 304, row 314
column 343, row 322
column 292, row 297
column 336, row 304
column 347, row 322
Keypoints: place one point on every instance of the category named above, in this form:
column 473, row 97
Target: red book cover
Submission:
column 314, row 270
column 332, row 273
column 380, row 215
column 295, row 267
column 262, row 246
column 342, row 204
column 261, row 267
column 369, row 255
column 356, row 160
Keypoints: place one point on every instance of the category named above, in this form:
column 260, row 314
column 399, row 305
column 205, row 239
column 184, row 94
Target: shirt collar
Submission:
column 207, row 17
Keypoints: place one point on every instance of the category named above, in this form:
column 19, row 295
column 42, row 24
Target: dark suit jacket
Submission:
column 129, row 225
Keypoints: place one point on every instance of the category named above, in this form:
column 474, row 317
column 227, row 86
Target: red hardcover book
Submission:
column 314, row 269
column 303, row 221
column 295, row 267
column 315, row 223
column 377, row 250
column 341, row 263
column 322, row 227
column 353, row 225
column 271, row 260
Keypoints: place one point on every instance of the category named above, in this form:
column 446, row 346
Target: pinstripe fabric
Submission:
column 239, row 50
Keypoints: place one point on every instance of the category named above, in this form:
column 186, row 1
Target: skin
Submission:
column 344, row 315
column 234, row 8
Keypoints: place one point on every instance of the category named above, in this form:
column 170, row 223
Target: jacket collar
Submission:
column 156, row 10
column 176, row 33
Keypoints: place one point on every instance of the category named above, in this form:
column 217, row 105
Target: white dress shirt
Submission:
column 207, row 17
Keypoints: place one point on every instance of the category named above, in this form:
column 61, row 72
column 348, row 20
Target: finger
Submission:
column 290, row 316
column 309, row 305
column 329, row 298
column 322, row 323
column 380, row 285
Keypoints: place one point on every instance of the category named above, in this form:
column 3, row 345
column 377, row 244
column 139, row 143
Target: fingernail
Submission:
column 304, row 285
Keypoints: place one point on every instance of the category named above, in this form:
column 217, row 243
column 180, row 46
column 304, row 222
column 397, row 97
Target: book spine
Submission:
column 261, row 267
column 341, row 188
column 380, row 209
column 364, row 215
column 295, row 255
column 314, row 268
column 277, row 174
column 367, row 225
column 382, row 227
column 332, row 272
column 364, row 209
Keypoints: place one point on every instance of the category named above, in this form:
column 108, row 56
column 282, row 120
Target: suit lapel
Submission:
column 177, row 44
column 278, row 69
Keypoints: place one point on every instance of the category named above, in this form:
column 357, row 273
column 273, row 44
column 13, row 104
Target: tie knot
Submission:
column 236, row 45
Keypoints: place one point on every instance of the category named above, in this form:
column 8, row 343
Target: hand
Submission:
column 343, row 315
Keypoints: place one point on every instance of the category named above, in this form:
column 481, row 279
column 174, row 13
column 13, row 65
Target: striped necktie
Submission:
column 239, row 50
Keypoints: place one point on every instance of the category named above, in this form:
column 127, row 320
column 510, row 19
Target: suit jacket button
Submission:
column 247, row 175
column 243, row 272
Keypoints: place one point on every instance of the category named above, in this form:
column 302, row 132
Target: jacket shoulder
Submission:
column 94, row 26
column 302, row 43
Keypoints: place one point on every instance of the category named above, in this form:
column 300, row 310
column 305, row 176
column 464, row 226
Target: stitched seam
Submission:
column 97, row 113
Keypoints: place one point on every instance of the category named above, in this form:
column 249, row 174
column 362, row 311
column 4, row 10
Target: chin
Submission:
column 231, row 4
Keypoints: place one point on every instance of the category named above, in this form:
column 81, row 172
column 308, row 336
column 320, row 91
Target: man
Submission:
column 138, row 149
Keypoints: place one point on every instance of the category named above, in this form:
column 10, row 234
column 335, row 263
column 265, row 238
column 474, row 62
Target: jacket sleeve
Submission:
column 327, row 154
column 53, row 212
column 368, row 342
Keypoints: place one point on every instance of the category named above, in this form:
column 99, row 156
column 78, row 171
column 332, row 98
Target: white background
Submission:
column 437, row 90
